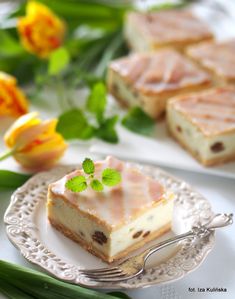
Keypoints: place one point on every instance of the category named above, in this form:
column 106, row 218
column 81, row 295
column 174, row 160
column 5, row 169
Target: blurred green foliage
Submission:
column 93, row 38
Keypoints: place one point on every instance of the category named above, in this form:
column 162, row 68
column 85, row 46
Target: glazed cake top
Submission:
column 159, row 72
column 117, row 205
column 216, row 56
column 212, row 111
column 170, row 26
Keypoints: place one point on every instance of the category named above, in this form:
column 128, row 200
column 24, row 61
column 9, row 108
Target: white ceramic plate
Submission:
column 28, row 229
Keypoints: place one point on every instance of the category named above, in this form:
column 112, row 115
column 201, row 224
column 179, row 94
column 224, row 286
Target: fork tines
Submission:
column 104, row 274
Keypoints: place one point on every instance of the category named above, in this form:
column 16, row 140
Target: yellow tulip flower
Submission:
column 41, row 31
column 34, row 143
column 12, row 100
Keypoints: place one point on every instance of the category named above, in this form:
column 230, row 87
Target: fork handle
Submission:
column 200, row 231
column 168, row 242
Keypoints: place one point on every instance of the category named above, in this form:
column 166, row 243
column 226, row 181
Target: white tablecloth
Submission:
column 218, row 270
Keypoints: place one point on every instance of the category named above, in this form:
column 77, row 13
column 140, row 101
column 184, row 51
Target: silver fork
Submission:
column 135, row 265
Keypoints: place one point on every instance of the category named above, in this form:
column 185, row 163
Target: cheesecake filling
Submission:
column 110, row 243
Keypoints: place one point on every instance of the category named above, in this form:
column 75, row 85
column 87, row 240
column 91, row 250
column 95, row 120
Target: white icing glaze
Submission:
column 159, row 72
column 170, row 26
column 117, row 204
column 216, row 56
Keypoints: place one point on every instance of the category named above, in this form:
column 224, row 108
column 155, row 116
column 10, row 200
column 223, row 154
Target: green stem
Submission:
column 64, row 94
column 109, row 53
column 60, row 90
column 6, row 154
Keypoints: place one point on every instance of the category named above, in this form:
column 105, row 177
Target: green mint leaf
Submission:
column 74, row 125
column 88, row 166
column 96, row 102
column 97, row 185
column 76, row 184
column 111, row 177
column 58, row 61
column 107, row 131
column 138, row 121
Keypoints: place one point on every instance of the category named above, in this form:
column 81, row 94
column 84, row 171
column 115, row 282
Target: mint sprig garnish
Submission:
column 110, row 177
column 77, row 184
column 97, row 185
column 88, row 166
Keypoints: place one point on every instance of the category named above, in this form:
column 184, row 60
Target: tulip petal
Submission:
column 36, row 135
column 19, row 126
column 44, row 155
column 36, row 143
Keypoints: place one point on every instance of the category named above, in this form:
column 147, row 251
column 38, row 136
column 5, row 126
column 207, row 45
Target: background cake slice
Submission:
column 148, row 80
column 204, row 123
column 112, row 223
column 171, row 28
column 216, row 57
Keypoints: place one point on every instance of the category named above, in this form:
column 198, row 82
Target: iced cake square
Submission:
column 204, row 124
column 170, row 28
column 112, row 223
column 149, row 79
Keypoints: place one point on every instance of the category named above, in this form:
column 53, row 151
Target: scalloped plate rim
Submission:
column 120, row 285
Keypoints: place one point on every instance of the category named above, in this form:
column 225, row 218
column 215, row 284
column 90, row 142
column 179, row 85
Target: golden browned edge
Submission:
column 171, row 101
column 159, row 97
column 88, row 246
column 211, row 162
column 219, row 80
column 97, row 220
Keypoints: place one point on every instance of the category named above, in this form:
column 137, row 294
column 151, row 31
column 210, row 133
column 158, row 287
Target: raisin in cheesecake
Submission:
column 149, row 79
column 204, row 123
column 216, row 57
column 172, row 28
column 112, row 223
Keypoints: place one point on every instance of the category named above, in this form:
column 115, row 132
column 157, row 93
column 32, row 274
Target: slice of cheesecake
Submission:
column 171, row 28
column 216, row 57
column 204, row 123
column 112, row 223
column 148, row 80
